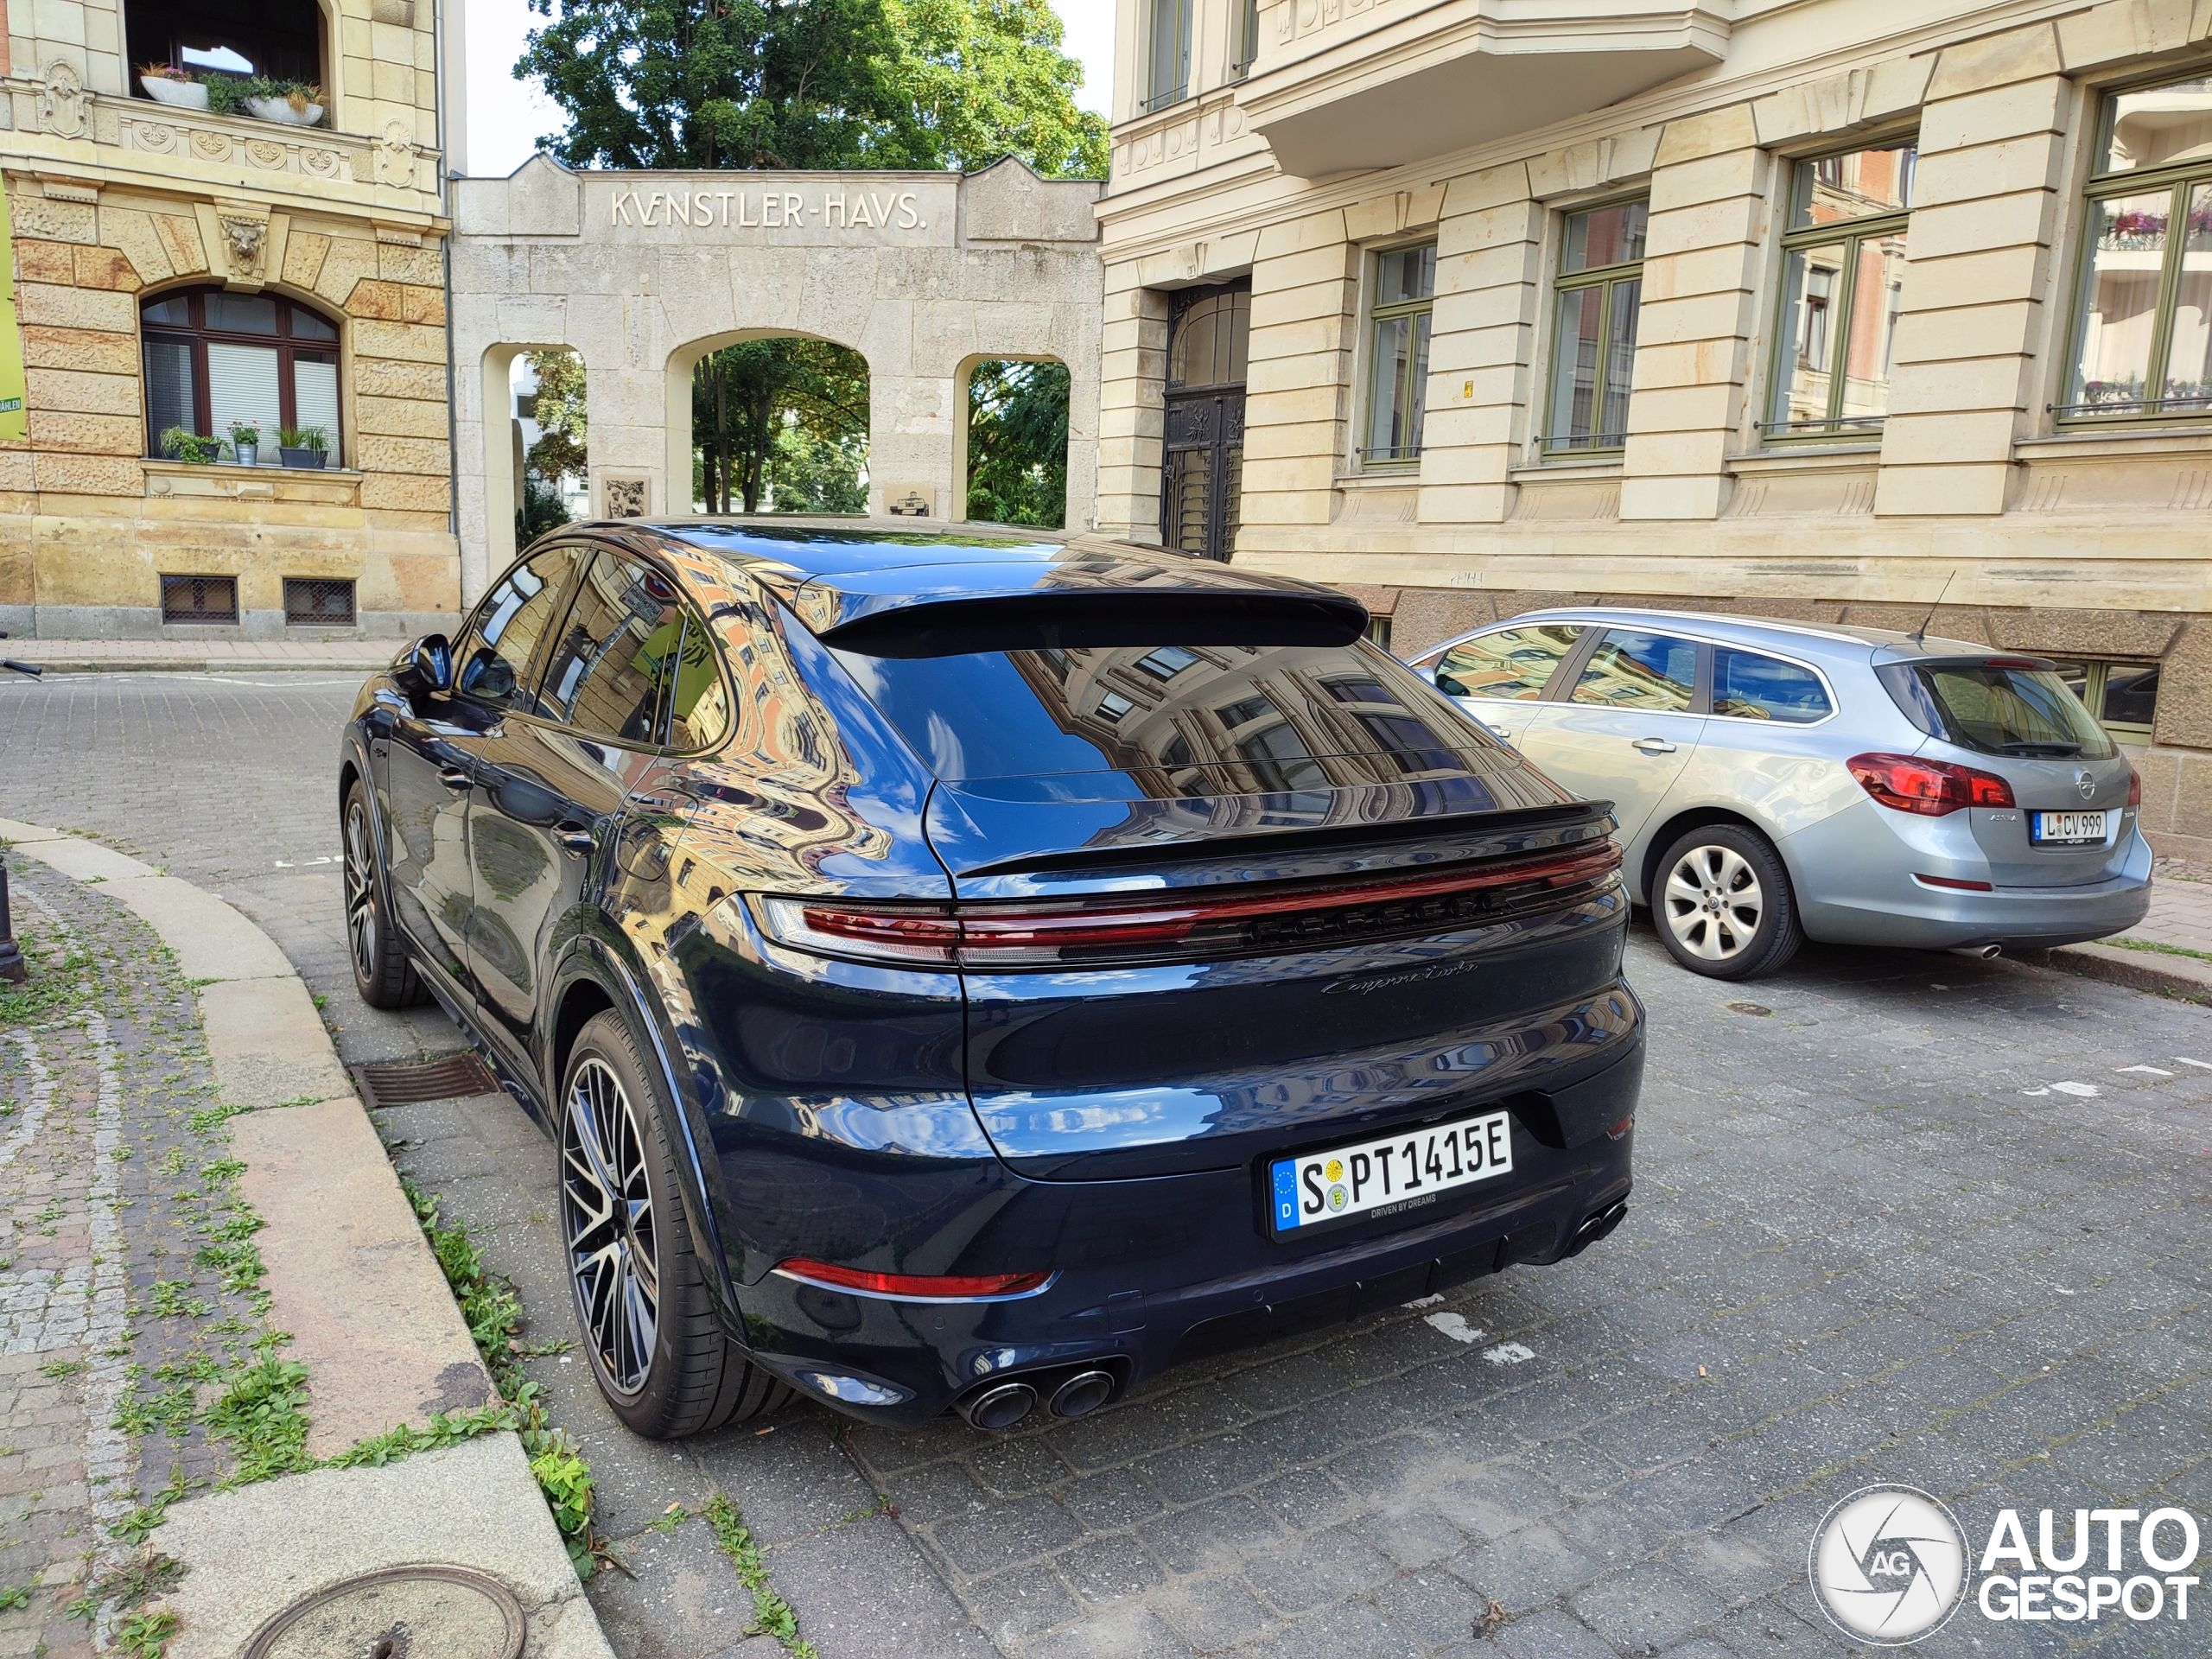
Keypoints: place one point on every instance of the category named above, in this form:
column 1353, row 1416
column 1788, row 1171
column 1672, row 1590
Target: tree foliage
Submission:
column 562, row 449
column 744, row 399
column 1018, row 443
column 697, row 84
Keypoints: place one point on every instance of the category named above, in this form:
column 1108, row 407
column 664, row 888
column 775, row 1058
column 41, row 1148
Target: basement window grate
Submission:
column 318, row 602
column 455, row 1077
column 200, row 599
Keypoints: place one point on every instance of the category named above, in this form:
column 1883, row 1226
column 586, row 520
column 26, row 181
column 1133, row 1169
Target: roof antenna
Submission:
column 1919, row 635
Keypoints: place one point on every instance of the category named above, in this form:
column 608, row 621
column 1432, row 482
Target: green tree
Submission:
column 561, row 450
column 693, row 84
column 1018, row 443
column 744, row 397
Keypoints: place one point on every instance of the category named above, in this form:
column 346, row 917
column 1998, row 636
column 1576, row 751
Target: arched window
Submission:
column 213, row 358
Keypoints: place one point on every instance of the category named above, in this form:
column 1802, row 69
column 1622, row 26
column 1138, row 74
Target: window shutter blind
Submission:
column 170, row 397
column 242, row 386
column 315, row 395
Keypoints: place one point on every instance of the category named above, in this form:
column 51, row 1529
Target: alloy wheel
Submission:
column 360, row 892
column 1714, row 903
column 607, row 1212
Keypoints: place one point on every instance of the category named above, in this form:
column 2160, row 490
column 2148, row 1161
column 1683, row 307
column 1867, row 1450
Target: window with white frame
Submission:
column 1597, row 289
column 2143, row 323
column 1169, row 79
column 1842, row 276
column 1399, row 312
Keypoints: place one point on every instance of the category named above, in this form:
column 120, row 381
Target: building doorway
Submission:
column 1202, row 471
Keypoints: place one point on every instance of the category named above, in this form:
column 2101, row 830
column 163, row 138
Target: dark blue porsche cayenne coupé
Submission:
column 981, row 969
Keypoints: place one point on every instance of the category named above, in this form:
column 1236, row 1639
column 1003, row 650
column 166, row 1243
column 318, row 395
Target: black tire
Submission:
column 383, row 972
column 1722, row 903
column 686, row 1376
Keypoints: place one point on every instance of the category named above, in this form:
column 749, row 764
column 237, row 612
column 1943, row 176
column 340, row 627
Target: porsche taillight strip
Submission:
column 1037, row 932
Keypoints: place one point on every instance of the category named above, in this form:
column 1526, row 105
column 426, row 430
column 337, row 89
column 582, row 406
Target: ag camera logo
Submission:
column 1888, row 1565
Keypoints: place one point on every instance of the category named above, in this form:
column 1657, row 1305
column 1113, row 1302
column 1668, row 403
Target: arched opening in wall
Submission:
column 780, row 423
column 1016, row 470
column 233, row 57
column 549, row 442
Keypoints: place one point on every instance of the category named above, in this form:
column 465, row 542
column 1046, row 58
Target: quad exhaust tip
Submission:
column 1083, row 1394
column 1002, row 1408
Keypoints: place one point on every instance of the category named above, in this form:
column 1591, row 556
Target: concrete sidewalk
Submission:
column 313, row 1191
column 194, row 656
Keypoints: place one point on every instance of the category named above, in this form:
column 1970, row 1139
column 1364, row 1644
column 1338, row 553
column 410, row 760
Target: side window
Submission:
column 619, row 655
column 494, row 655
column 699, row 705
column 1509, row 664
column 1631, row 669
column 1748, row 686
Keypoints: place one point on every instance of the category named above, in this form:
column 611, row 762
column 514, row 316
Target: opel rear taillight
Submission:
column 2134, row 787
column 1904, row 783
column 1014, row 935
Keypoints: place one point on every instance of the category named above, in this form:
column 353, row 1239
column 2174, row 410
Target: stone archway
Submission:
column 643, row 273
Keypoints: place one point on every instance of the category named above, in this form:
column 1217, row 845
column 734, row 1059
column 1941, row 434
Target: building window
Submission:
column 1397, row 361
column 2143, row 334
column 1248, row 39
column 200, row 599
column 215, row 359
column 1599, row 286
column 1170, row 79
column 318, row 602
column 1842, row 267
column 208, row 39
column 2124, row 696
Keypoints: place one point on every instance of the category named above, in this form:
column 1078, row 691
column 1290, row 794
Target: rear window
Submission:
column 1747, row 686
column 1274, row 714
column 2000, row 709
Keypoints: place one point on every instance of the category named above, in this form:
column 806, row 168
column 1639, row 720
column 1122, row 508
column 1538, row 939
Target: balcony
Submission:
column 1343, row 85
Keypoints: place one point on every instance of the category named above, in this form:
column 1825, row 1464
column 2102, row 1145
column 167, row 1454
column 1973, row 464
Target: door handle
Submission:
column 581, row 842
column 454, row 779
column 1651, row 745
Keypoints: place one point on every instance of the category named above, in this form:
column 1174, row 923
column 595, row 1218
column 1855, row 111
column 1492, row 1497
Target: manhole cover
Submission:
column 457, row 1076
column 404, row 1612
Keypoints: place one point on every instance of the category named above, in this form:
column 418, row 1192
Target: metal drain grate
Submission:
column 456, row 1077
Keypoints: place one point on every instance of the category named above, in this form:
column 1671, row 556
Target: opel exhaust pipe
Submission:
column 1000, row 1408
column 1082, row 1394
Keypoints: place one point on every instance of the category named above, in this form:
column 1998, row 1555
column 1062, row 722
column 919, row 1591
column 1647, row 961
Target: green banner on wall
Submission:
column 14, row 422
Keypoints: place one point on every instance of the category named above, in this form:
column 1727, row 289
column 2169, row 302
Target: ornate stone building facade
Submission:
column 1836, row 309
column 178, row 270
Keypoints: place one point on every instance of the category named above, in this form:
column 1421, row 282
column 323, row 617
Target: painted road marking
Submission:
column 1508, row 1353
column 2184, row 1059
column 2146, row 1071
column 1455, row 1327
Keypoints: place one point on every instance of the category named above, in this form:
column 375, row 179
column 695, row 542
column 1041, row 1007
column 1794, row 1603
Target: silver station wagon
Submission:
column 1776, row 781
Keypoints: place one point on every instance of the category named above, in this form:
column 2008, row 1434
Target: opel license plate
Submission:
column 2075, row 828
column 1397, row 1171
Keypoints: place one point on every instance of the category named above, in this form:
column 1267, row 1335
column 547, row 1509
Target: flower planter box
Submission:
column 281, row 110
column 311, row 459
column 179, row 94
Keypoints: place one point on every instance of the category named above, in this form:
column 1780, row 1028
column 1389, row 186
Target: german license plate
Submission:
column 2070, row 826
column 1396, row 1172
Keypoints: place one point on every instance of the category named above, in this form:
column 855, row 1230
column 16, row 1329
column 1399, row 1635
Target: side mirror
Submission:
column 425, row 668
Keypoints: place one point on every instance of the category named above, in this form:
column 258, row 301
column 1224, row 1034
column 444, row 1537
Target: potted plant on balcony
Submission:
column 293, row 103
column 304, row 446
column 245, row 442
column 194, row 448
column 167, row 84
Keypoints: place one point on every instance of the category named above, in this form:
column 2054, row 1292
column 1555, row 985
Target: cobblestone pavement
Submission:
column 127, row 1268
column 1898, row 1217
